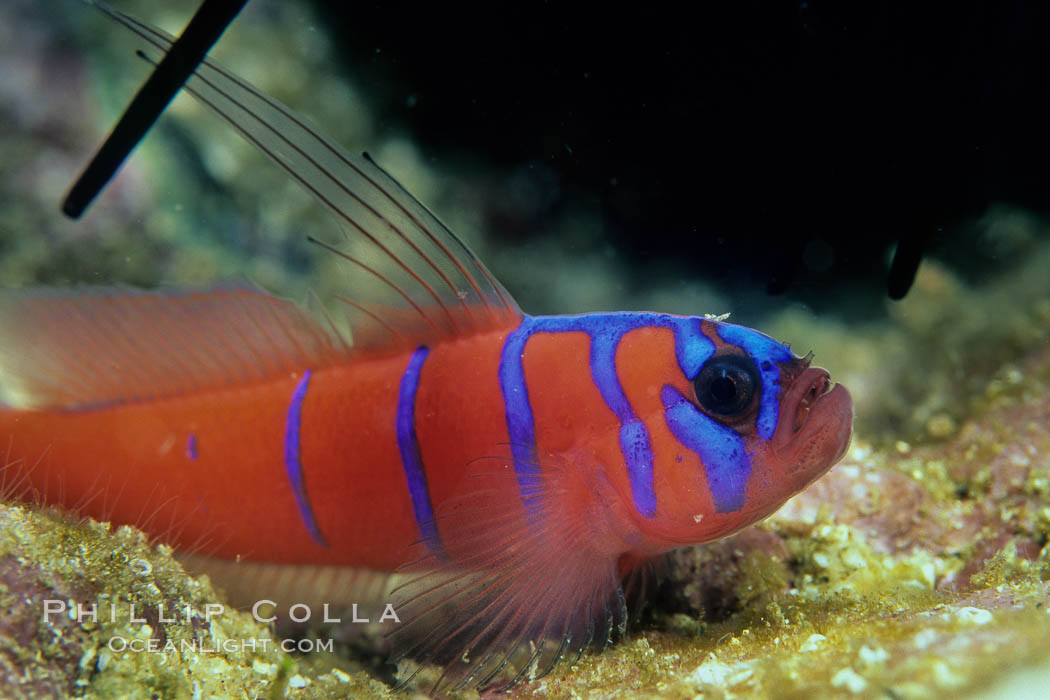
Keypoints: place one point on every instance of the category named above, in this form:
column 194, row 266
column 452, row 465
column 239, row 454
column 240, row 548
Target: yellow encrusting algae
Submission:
column 94, row 612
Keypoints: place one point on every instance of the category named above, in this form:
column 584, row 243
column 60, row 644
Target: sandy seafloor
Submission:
column 917, row 568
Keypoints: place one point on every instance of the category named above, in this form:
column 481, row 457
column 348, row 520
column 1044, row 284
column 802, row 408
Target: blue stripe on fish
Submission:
column 720, row 449
column 691, row 346
column 411, row 457
column 766, row 352
column 521, row 426
column 191, row 446
column 634, row 436
column 291, row 460
column 692, row 349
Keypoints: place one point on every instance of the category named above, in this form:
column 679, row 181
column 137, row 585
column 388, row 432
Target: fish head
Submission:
column 740, row 426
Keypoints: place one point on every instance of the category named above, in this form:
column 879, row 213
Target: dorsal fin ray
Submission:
column 402, row 257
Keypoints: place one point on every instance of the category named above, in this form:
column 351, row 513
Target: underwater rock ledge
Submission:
column 50, row 563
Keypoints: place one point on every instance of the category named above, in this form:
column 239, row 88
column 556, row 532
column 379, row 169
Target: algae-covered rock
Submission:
column 93, row 612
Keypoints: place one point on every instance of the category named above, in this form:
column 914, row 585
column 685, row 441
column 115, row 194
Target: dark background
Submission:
column 782, row 145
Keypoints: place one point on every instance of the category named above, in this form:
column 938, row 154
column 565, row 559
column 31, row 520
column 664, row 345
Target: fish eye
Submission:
column 726, row 385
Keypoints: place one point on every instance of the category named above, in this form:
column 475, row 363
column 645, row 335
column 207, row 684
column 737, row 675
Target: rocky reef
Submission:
column 91, row 611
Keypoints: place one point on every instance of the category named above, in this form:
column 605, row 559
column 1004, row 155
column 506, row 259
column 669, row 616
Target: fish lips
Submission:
column 815, row 425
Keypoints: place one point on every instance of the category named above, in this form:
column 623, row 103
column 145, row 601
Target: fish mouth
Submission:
column 818, row 385
column 816, row 421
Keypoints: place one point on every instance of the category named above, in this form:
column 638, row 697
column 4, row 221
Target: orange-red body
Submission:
column 131, row 463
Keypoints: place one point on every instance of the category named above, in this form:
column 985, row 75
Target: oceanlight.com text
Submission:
column 121, row 645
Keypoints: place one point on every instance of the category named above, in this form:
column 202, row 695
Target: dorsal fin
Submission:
column 409, row 275
column 102, row 346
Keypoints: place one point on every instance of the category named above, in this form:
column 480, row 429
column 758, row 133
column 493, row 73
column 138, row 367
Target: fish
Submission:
column 508, row 472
